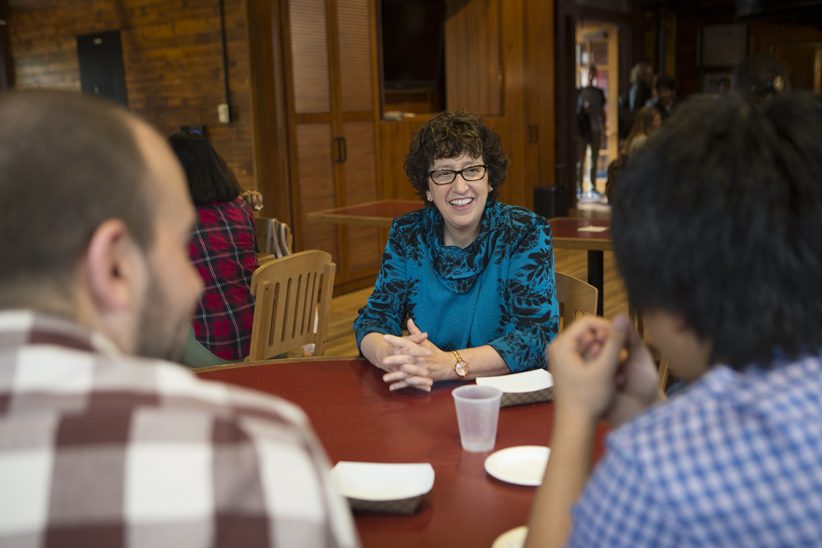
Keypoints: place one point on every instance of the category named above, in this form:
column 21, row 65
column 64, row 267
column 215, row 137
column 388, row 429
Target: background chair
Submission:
column 575, row 297
column 290, row 292
column 273, row 237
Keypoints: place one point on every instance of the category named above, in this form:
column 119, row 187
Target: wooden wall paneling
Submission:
column 395, row 138
column 268, row 105
column 540, row 138
column 512, row 125
column 473, row 62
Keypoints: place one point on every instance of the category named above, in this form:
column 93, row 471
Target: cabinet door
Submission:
column 315, row 186
column 331, row 64
column 355, row 114
column 310, row 122
column 362, row 244
column 308, row 34
column 356, row 56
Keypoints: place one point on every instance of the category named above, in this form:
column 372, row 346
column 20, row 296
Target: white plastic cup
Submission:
column 477, row 415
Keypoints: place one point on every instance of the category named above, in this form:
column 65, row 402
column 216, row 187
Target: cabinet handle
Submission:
column 533, row 133
column 341, row 150
column 337, row 150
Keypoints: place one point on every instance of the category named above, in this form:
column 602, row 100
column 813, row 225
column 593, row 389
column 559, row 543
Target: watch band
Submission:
column 460, row 366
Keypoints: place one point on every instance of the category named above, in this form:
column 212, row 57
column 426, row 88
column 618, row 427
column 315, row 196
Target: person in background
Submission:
column 591, row 125
column 642, row 86
column 761, row 77
column 102, row 441
column 640, row 92
column 472, row 277
column 664, row 101
column 724, row 260
column 647, row 121
column 222, row 248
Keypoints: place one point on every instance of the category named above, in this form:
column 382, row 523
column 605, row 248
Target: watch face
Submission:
column 460, row 369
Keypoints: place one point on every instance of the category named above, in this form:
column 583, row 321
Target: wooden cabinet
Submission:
column 499, row 62
column 330, row 64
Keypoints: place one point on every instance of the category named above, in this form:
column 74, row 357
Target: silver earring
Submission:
column 428, row 197
column 490, row 188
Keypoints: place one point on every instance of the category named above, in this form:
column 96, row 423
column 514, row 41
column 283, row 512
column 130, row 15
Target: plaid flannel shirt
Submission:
column 102, row 449
column 223, row 250
column 734, row 460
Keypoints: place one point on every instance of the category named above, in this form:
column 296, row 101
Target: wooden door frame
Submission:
column 568, row 14
column 6, row 59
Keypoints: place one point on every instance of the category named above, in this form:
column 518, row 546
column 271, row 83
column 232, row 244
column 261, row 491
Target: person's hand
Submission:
column 637, row 380
column 253, row 198
column 416, row 362
column 602, row 370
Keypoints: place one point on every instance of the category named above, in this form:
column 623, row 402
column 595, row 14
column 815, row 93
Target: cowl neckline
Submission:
column 458, row 268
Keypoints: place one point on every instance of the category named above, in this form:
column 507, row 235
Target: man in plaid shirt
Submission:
column 99, row 447
column 716, row 228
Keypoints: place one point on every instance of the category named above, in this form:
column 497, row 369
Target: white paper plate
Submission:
column 382, row 481
column 512, row 538
column 515, row 383
column 522, row 388
column 521, row 465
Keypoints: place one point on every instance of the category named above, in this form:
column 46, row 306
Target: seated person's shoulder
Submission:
column 521, row 217
column 179, row 391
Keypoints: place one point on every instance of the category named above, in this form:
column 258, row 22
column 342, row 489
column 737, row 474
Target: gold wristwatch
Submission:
column 461, row 366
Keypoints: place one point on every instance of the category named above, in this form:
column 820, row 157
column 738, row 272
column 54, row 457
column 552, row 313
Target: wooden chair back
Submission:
column 575, row 298
column 293, row 303
column 273, row 237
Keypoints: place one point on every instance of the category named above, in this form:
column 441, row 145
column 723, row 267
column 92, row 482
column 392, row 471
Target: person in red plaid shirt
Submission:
column 103, row 442
column 222, row 249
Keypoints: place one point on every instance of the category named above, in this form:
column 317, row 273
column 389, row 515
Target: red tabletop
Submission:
column 358, row 419
column 379, row 213
column 566, row 233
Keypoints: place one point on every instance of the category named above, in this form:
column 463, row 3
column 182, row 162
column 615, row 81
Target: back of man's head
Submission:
column 717, row 220
column 68, row 162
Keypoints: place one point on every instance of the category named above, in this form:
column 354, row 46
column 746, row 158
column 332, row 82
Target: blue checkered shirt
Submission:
column 735, row 460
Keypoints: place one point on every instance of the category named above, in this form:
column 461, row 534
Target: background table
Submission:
column 358, row 419
column 380, row 213
column 567, row 234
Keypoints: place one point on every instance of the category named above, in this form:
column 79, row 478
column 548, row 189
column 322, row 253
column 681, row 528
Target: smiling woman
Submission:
column 470, row 277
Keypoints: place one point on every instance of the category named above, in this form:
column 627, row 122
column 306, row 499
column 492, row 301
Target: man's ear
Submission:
column 114, row 264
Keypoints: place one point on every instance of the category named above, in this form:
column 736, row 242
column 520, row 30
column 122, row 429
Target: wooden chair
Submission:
column 293, row 303
column 273, row 237
column 575, row 298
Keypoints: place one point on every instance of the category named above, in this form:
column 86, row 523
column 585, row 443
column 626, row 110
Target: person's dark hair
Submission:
column 68, row 162
column 209, row 178
column 728, row 238
column 448, row 135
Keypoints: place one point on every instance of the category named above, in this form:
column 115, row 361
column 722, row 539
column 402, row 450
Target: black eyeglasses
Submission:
column 447, row 176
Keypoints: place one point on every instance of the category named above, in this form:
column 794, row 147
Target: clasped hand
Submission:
column 415, row 362
column 602, row 370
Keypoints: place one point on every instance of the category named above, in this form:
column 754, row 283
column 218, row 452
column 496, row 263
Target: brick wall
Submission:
column 171, row 56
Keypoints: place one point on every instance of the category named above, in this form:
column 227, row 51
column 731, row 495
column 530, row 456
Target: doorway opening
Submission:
column 597, row 66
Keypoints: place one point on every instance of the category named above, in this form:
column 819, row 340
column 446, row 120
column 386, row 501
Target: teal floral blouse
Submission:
column 500, row 290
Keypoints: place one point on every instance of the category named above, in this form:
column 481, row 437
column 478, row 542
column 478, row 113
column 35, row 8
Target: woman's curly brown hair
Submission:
column 449, row 135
